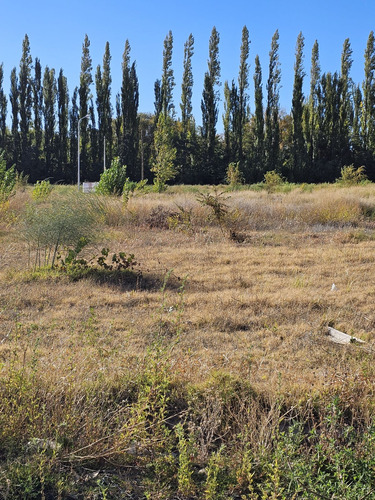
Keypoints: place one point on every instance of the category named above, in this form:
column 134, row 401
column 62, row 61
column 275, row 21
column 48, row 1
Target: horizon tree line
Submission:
column 331, row 127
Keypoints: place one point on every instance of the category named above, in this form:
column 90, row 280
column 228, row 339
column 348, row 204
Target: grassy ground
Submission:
column 207, row 373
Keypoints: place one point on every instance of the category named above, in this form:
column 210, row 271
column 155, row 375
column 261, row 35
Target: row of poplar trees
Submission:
column 331, row 127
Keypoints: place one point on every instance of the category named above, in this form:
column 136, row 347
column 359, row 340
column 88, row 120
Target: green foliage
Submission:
column 132, row 188
column 351, row 176
column 220, row 212
column 113, row 179
column 60, row 223
column 216, row 202
column 163, row 165
column 8, row 179
column 184, row 474
column 272, row 180
column 234, row 175
column 181, row 220
column 105, row 265
column 42, row 190
column 118, row 262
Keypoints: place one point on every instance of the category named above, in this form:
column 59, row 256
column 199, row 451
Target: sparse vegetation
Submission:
column 220, row 385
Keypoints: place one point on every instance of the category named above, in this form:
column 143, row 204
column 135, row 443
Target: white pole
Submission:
column 79, row 150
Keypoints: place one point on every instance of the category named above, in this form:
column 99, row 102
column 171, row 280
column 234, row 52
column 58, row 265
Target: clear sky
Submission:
column 56, row 31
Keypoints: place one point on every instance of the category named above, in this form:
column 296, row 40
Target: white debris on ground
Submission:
column 342, row 338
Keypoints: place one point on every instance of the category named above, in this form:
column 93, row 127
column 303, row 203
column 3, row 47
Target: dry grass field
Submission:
column 219, row 308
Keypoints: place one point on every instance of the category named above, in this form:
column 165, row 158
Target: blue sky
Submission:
column 56, row 31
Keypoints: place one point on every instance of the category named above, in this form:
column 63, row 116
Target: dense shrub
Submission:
column 113, row 179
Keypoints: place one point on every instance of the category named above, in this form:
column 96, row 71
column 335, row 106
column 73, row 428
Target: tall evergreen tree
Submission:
column 25, row 105
column 129, row 110
column 103, row 82
column 209, row 106
column 298, row 140
column 272, row 139
column 49, row 112
column 167, row 80
column 3, row 110
column 62, row 136
column 14, row 102
column 258, row 125
column 84, row 102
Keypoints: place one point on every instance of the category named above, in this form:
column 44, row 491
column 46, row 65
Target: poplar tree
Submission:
column 118, row 123
column 158, row 100
column 167, row 80
column 38, row 107
column 272, row 139
column 14, row 102
column 49, row 112
column 187, row 136
column 227, row 122
column 298, row 141
column 3, row 110
column 209, row 106
column 129, row 110
column 240, row 116
column 313, row 114
column 356, row 129
column 73, row 133
column 63, row 116
column 96, row 160
column 187, row 85
column 165, row 153
column 84, row 100
column 368, row 104
column 258, row 124
column 25, row 105
column 329, row 144
column 103, row 82
column 346, row 104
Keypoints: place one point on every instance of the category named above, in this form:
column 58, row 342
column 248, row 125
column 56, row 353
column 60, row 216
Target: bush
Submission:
column 234, row 176
column 113, row 179
column 8, row 179
column 42, row 190
column 351, row 176
column 61, row 223
column 272, row 180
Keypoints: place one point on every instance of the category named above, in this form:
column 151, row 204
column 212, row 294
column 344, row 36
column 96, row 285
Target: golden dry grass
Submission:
column 256, row 309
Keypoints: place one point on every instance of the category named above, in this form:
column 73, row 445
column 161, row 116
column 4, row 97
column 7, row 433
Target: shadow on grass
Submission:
column 129, row 280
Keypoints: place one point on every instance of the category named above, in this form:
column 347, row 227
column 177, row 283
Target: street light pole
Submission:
column 79, row 150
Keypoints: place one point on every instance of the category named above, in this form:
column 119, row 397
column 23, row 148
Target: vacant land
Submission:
column 205, row 371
